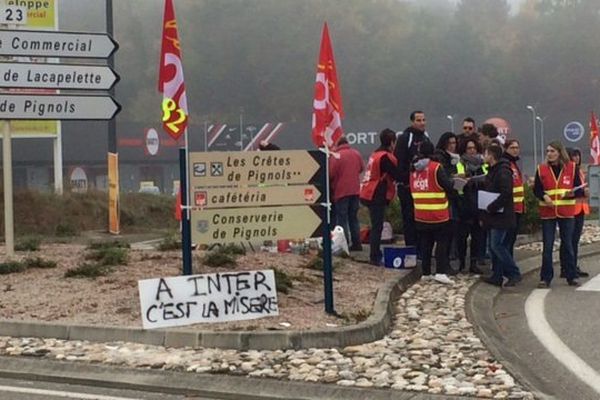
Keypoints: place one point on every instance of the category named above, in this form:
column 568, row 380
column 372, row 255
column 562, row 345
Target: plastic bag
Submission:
column 339, row 244
column 387, row 233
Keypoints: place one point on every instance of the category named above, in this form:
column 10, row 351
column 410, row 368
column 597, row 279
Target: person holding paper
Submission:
column 499, row 217
column 555, row 181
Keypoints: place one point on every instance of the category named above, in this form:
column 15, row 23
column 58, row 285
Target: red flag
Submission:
column 594, row 141
column 327, row 104
column 170, row 79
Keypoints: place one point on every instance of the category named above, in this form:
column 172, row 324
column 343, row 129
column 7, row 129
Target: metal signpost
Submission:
column 594, row 186
column 254, row 196
column 36, row 106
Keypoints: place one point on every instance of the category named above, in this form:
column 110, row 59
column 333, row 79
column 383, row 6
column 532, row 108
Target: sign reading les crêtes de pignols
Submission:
column 219, row 297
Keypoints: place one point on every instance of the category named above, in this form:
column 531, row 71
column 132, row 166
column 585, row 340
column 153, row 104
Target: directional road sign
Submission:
column 56, row 44
column 211, row 198
column 255, row 168
column 262, row 223
column 57, row 76
column 39, row 106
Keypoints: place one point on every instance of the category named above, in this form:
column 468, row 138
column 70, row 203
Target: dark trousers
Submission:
column 503, row 264
column 440, row 236
column 408, row 217
column 346, row 216
column 477, row 250
column 577, row 231
column 511, row 235
column 376, row 214
column 567, row 256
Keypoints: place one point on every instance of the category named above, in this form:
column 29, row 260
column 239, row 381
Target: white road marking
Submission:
column 593, row 285
column 536, row 319
column 56, row 393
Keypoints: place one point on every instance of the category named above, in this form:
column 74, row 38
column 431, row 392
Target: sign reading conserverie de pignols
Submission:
column 56, row 44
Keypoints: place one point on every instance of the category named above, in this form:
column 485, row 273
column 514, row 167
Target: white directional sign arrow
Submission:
column 56, row 44
column 54, row 107
column 57, row 76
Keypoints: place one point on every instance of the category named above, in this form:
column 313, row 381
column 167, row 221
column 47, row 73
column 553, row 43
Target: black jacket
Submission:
column 407, row 147
column 499, row 180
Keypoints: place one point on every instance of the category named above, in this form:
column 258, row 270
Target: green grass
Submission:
column 109, row 256
column 39, row 262
column 28, row 243
column 219, row 259
column 10, row 267
column 119, row 244
column 88, row 271
column 169, row 243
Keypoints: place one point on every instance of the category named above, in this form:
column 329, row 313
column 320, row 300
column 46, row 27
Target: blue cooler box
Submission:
column 400, row 257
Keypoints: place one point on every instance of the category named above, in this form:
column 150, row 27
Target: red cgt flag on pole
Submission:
column 327, row 103
column 170, row 79
column 594, row 141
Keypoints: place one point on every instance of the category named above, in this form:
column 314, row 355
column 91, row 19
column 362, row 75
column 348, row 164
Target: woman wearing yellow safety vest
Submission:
column 557, row 183
column 582, row 208
column 470, row 165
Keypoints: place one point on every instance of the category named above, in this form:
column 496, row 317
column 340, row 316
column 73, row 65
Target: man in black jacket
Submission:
column 499, row 217
column 407, row 147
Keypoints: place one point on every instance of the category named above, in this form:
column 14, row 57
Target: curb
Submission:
column 479, row 305
column 374, row 328
column 194, row 384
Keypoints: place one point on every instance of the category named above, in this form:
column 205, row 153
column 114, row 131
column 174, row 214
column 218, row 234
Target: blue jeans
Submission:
column 346, row 215
column 567, row 255
column 511, row 236
column 503, row 264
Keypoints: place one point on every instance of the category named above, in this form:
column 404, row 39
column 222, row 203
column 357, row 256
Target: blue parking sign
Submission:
column 573, row 131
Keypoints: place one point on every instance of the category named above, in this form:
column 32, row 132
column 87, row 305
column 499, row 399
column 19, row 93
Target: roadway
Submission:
column 550, row 336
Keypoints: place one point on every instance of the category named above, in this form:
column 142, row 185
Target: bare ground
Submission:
column 113, row 300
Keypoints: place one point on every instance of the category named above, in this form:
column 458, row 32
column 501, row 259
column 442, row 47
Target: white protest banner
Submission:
column 219, row 297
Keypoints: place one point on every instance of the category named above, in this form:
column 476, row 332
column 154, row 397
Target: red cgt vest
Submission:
column 429, row 198
column 556, row 188
column 373, row 176
column 518, row 189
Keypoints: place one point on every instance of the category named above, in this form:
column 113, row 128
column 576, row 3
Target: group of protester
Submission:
column 442, row 190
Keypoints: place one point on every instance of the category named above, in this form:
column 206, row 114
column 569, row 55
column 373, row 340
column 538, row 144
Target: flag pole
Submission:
column 327, row 262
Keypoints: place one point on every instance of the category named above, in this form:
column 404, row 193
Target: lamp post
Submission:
column 541, row 135
column 533, row 115
column 451, row 118
column 241, row 128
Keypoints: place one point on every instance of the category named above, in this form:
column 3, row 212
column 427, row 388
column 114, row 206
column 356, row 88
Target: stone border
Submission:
column 374, row 328
column 479, row 305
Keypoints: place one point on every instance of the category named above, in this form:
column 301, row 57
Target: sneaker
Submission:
column 474, row 269
column 443, row 278
column 573, row 282
column 492, row 281
column 513, row 281
column 582, row 274
column 543, row 285
column 426, row 277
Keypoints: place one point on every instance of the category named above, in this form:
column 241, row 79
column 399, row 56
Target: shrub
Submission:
column 39, row 263
column 30, row 243
column 88, row 271
column 530, row 220
column 170, row 243
column 10, row 267
column 65, row 229
column 233, row 249
column 393, row 214
column 283, row 281
column 218, row 259
column 109, row 256
column 107, row 245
